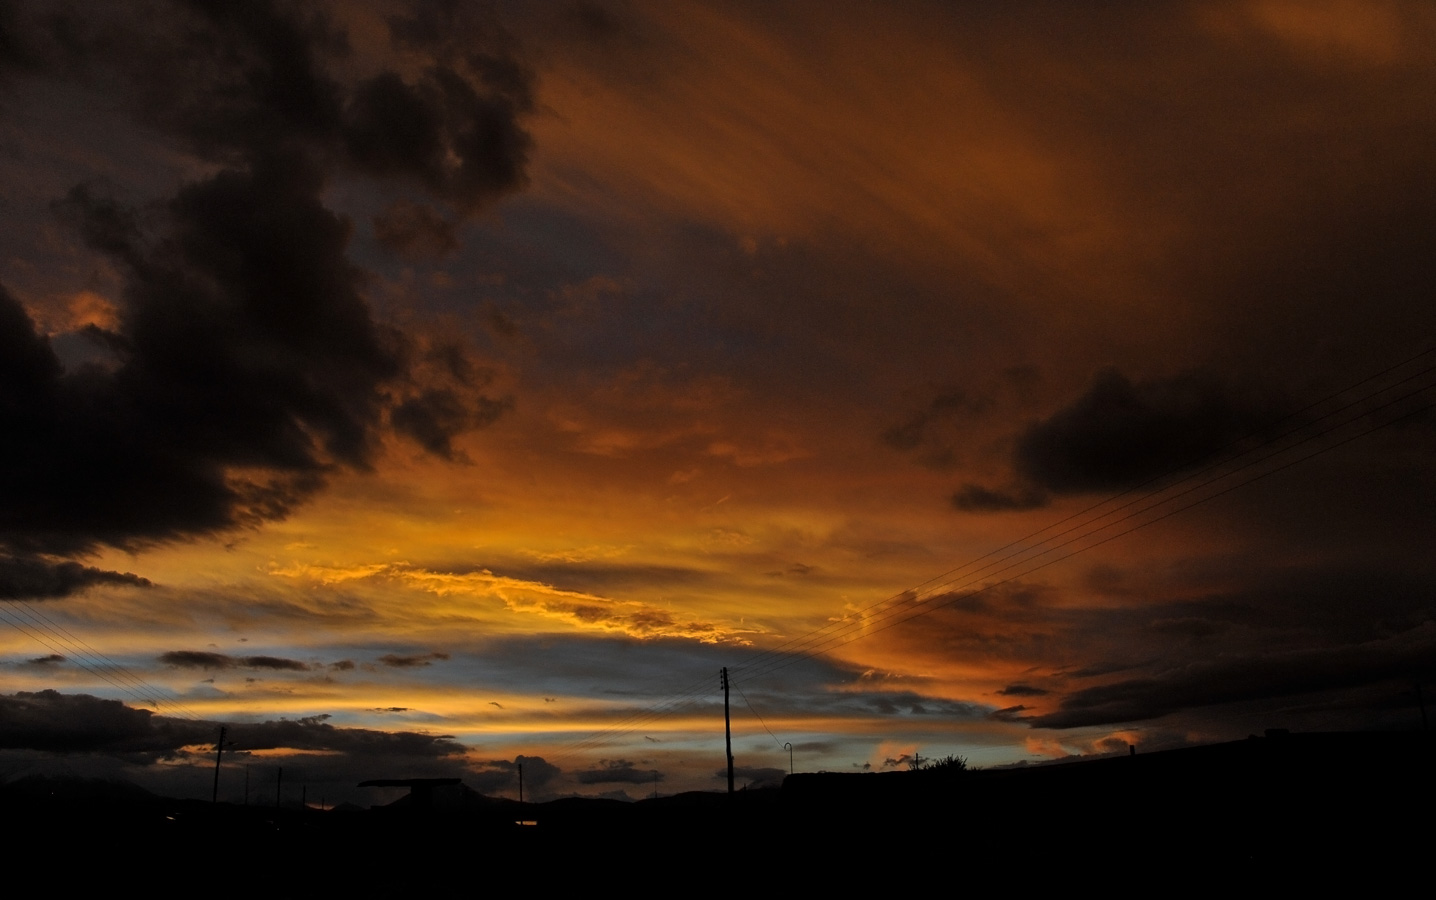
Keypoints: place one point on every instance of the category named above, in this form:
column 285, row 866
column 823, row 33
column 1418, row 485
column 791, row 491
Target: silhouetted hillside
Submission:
column 1274, row 806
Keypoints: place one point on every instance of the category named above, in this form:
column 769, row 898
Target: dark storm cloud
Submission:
column 11, row 54
column 196, row 659
column 593, row 21
column 1008, row 713
column 1120, row 432
column 31, row 578
column 910, row 703
column 77, row 723
column 72, row 723
column 798, row 569
column 434, row 417
column 237, row 81
column 976, row 498
column 50, row 660
column 618, row 771
column 249, row 365
column 496, row 775
column 411, row 660
column 1192, row 626
column 249, row 348
column 930, row 432
column 1248, row 640
column 1022, row 690
column 277, row 663
column 939, row 429
column 414, row 231
column 201, row 659
column 1406, row 657
column 313, row 733
column 442, row 134
column 630, row 670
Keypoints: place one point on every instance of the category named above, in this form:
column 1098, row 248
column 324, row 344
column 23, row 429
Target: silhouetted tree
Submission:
column 949, row 764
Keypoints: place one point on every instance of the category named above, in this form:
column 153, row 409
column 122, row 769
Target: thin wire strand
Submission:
column 953, row 598
column 755, row 713
column 28, row 629
column 78, row 649
column 1154, row 479
column 787, row 654
column 821, row 637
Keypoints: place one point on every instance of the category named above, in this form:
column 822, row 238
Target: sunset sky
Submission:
column 422, row 388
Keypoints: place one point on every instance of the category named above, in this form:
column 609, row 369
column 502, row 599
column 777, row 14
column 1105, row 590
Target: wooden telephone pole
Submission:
column 728, row 729
column 218, row 755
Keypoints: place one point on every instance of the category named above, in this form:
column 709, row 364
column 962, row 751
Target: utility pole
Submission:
column 728, row 730
column 218, row 755
column 278, row 786
column 521, row 782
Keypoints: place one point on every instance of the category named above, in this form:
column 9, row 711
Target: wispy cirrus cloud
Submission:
column 577, row 609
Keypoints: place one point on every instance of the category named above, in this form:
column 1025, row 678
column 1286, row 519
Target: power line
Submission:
column 15, row 622
column 1020, row 547
column 822, row 637
column 953, row 597
column 36, row 624
column 755, row 714
column 79, row 648
column 634, row 721
column 838, row 633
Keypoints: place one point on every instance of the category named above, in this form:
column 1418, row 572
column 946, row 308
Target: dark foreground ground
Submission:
column 1270, row 811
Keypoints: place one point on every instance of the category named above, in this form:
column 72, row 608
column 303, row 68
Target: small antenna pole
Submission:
column 728, row 730
column 218, row 755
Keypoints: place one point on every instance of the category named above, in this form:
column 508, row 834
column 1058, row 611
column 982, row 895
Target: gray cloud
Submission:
column 1022, row 690
column 248, row 365
column 72, row 723
column 1122, row 432
column 415, row 231
column 932, row 432
column 412, row 660
column 35, row 578
column 1009, row 713
column 976, row 498
column 116, row 741
column 500, row 775
column 203, row 659
column 618, row 771
column 1409, row 656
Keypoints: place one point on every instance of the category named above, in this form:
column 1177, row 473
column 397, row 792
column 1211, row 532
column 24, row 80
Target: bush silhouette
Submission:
column 949, row 764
